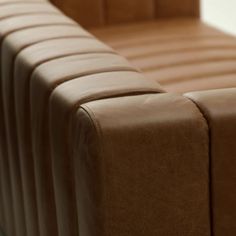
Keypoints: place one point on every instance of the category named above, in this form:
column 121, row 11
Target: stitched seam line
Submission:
column 211, row 215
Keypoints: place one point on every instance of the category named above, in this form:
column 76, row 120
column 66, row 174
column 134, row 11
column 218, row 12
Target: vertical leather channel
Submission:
column 62, row 102
column 177, row 8
column 94, row 13
column 2, row 214
column 11, row 20
column 121, row 11
column 15, row 45
column 19, row 186
column 219, row 108
column 89, row 13
column 141, row 167
column 25, row 63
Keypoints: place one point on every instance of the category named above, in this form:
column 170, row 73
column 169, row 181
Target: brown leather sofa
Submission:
column 132, row 133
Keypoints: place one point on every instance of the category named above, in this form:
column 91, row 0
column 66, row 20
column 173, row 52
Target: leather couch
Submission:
column 127, row 128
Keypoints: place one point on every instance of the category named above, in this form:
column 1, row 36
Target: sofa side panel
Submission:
column 219, row 108
column 177, row 8
column 141, row 167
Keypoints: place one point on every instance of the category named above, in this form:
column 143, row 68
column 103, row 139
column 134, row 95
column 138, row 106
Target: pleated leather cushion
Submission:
column 25, row 8
column 96, row 13
column 219, row 109
column 92, row 13
column 71, row 58
column 13, row 45
column 26, row 61
column 8, row 10
column 46, row 78
column 182, row 54
column 176, row 8
column 141, row 166
column 32, row 40
column 15, row 17
column 12, row 179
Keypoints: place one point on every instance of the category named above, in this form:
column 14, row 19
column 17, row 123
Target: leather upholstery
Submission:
column 180, row 62
column 10, row 25
column 62, row 106
column 219, row 109
column 107, row 12
column 30, row 40
column 14, row 54
column 158, row 188
column 91, row 144
column 176, row 8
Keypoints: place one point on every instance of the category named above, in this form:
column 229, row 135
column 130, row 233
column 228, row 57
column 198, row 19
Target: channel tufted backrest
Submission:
column 43, row 54
column 91, row 13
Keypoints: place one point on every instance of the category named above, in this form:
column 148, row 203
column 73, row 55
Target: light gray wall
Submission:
column 220, row 13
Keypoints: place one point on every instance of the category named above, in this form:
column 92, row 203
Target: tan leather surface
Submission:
column 175, row 8
column 129, row 11
column 63, row 101
column 141, row 166
column 12, row 46
column 7, row 201
column 65, row 69
column 204, row 58
column 12, row 24
column 88, row 13
column 96, row 13
column 8, row 2
column 89, row 146
column 9, row 25
column 219, row 108
column 31, row 41
column 24, row 8
column 2, row 213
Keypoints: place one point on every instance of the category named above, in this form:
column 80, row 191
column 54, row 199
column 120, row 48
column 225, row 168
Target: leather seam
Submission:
column 29, row 27
column 188, row 63
column 98, row 130
column 70, row 24
column 17, row 2
column 48, row 39
column 210, row 185
column 165, row 38
column 171, row 51
column 49, row 12
column 91, row 73
column 27, row 14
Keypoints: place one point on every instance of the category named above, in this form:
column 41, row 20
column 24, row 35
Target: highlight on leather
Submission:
column 9, row 25
column 204, row 58
column 112, row 135
column 30, row 39
column 94, row 13
column 219, row 109
column 160, row 185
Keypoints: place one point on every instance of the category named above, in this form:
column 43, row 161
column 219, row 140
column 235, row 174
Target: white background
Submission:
column 220, row 13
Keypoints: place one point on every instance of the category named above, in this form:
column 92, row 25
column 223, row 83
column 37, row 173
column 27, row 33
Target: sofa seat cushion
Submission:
column 181, row 54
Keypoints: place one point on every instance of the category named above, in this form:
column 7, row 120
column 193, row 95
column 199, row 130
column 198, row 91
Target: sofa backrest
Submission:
column 93, row 13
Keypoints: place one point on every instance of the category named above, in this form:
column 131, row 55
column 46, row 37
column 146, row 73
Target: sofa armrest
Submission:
column 22, row 24
column 43, row 49
column 108, row 12
column 219, row 109
column 63, row 102
column 178, row 8
column 51, row 67
column 141, row 166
